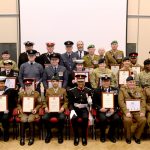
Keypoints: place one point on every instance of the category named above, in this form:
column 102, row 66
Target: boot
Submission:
column 22, row 134
column 31, row 139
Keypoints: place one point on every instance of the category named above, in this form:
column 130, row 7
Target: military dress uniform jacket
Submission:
column 96, row 75
column 91, row 62
column 12, row 73
column 114, row 58
column 30, row 71
column 147, row 97
column 49, row 72
column 97, row 97
column 78, row 96
column 125, row 93
column 69, row 62
column 37, row 102
column 61, row 92
column 14, row 65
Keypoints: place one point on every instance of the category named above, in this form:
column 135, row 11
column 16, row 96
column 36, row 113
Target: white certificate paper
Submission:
column 3, row 103
column 10, row 83
column 50, row 84
column 115, row 68
column 136, row 69
column 54, row 104
column 107, row 100
column 123, row 76
column 133, row 105
column 28, row 104
column 82, row 73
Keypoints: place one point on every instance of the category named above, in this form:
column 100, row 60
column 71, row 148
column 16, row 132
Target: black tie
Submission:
column 55, row 71
column 31, row 63
column 80, row 54
column 69, row 56
column 7, row 72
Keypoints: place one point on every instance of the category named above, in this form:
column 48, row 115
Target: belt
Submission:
column 78, row 105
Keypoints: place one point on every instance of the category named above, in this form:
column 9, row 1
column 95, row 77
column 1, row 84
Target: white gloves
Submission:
column 73, row 114
column 89, row 99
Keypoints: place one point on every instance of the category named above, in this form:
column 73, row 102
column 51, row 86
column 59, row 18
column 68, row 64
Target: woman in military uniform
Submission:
column 58, row 92
column 31, row 116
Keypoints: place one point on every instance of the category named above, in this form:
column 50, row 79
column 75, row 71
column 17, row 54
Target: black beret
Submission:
column 28, row 43
column 101, row 61
column 5, row 52
column 129, row 78
column 114, row 42
column 55, row 78
column 91, row 46
column 68, row 43
column 147, row 62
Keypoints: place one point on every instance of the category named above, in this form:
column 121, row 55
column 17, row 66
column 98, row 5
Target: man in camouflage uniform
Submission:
column 144, row 76
column 114, row 56
column 98, row 72
column 31, row 116
column 91, row 59
column 61, row 92
column 131, row 91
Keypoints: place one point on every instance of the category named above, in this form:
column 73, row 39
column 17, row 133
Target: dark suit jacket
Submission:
column 85, row 53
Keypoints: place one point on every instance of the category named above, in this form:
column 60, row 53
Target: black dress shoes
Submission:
column 76, row 141
column 112, row 139
column 60, row 139
column 138, row 141
column 47, row 139
column 31, row 141
column 22, row 141
column 102, row 139
column 128, row 141
column 84, row 141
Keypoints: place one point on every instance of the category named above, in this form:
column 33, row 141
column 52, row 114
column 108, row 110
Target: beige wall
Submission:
column 138, row 28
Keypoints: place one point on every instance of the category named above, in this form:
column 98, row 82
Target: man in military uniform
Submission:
column 79, row 97
column 12, row 97
column 31, row 116
column 106, row 115
column 95, row 75
column 31, row 69
column 80, row 49
column 68, row 60
column 6, row 56
column 131, row 91
column 58, row 92
column 101, row 52
column 91, row 60
column 144, row 76
column 23, row 57
column 114, row 56
column 55, row 70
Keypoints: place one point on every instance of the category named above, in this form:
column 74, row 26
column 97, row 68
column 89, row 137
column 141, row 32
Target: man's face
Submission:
column 101, row 51
column 91, row 51
column 5, row 56
column 147, row 67
column 133, row 60
column 29, row 48
column 2, row 85
column 102, row 65
column 28, row 87
column 8, row 67
column 114, row 46
column 105, row 83
column 31, row 58
column 54, row 61
column 79, row 66
column 50, row 49
column 80, row 45
column 80, row 84
column 69, row 49
column 126, row 63
column 131, row 84
column 55, row 83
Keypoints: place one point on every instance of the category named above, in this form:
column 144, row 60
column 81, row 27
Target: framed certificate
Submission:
column 50, row 83
column 107, row 100
column 3, row 103
column 33, row 83
column 133, row 105
column 136, row 69
column 115, row 68
column 10, row 82
column 123, row 76
column 27, row 104
column 54, row 104
column 83, row 73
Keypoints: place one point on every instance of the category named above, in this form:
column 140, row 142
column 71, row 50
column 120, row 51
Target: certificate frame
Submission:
column 49, row 82
column 33, row 83
column 122, row 76
column 82, row 73
column 11, row 82
column 26, row 105
column 137, row 69
column 133, row 105
column 115, row 68
column 3, row 103
column 54, row 103
column 107, row 100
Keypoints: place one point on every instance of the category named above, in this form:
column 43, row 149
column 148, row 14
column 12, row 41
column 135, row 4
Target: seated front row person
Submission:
column 32, row 115
column 55, row 91
column 79, row 97
column 106, row 115
column 133, row 93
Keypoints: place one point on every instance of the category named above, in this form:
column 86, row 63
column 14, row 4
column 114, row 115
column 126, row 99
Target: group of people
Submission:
column 83, row 81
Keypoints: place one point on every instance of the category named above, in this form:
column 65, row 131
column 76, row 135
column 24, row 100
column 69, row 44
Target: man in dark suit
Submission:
column 55, row 70
column 68, row 60
column 80, row 49
column 23, row 57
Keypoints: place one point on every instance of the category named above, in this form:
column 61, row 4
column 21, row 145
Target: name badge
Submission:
column 60, row 74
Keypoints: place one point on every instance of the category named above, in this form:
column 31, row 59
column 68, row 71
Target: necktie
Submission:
column 69, row 56
column 7, row 72
column 55, row 71
column 31, row 63
column 80, row 54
